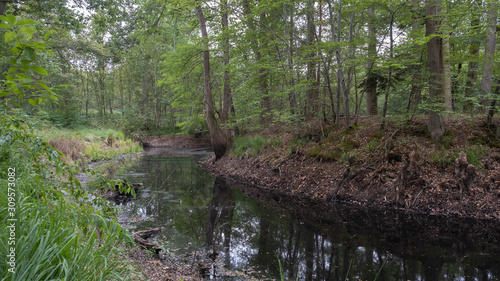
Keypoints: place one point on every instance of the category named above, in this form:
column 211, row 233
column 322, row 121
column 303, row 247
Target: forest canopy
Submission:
column 171, row 66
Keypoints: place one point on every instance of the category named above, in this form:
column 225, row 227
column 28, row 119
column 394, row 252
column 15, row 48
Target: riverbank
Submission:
column 399, row 168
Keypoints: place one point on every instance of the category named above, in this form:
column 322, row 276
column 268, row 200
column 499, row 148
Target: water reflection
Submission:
column 206, row 218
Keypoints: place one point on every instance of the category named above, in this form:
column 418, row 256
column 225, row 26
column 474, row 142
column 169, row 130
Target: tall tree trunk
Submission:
column 228, row 101
column 312, row 91
column 388, row 89
column 340, row 74
column 417, row 83
column 492, row 109
column 470, row 85
column 371, row 80
column 447, row 75
column 489, row 53
column 218, row 138
column 435, row 121
column 291, row 95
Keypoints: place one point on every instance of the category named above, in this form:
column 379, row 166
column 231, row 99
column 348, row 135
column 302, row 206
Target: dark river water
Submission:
column 204, row 215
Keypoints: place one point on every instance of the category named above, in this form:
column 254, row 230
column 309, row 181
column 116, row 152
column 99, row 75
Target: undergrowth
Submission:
column 89, row 145
column 249, row 145
column 59, row 234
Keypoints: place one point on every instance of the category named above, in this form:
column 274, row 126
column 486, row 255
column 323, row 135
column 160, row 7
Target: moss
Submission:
column 346, row 132
column 487, row 139
column 377, row 135
column 372, row 145
column 325, row 153
column 349, row 144
column 447, row 139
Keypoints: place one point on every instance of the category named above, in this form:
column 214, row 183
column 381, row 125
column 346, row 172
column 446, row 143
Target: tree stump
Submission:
column 465, row 173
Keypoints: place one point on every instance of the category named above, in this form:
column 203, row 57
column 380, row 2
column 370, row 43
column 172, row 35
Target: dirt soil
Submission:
column 399, row 168
column 157, row 270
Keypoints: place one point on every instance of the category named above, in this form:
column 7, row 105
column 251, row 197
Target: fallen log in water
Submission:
column 141, row 236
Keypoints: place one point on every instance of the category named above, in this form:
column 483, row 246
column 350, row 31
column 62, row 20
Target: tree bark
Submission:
column 388, row 89
column 489, row 53
column 470, row 87
column 447, row 76
column 291, row 95
column 227, row 104
column 2, row 8
column 340, row 74
column 417, row 83
column 435, row 122
column 218, row 138
column 312, row 90
column 371, row 80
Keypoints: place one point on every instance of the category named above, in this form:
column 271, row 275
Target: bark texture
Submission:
column 217, row 136
column 435, row 122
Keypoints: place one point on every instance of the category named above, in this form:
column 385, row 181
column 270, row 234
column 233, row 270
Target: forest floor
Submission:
column 399, row 168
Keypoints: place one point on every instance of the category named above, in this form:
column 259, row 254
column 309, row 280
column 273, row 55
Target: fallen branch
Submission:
column 141, row 236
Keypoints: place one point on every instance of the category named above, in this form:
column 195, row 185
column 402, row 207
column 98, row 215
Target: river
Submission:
column 239, row 238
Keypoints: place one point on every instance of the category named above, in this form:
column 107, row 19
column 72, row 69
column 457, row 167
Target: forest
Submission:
column 148, row 66
column 401, row 91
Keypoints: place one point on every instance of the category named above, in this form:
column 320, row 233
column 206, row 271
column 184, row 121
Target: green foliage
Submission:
column 248, row 146
column 60, row 235
column 22, row 77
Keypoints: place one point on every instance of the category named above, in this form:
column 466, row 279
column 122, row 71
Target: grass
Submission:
column 88, row 145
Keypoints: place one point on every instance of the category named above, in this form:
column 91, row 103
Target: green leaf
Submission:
column 39, row 69
column 4, row 25
column 24, row 68
column 12, row 69
column 45, row 87
column 15, row 50
column 25, row 61
column 33, row 102
column 29, row 52
column 47, row 35
column 9, row 36
column 26, row 21
column 13, row 61
column 28, row 31
column 8, row 18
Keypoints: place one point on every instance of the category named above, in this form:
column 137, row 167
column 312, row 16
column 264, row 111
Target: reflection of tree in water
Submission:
column 220, row 216
column 352, row 244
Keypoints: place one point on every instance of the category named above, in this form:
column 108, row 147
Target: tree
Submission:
column 218, row 138
column 371, row 80
column 435, row 122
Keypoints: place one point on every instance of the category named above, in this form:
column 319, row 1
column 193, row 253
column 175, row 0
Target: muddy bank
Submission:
column 402, row 170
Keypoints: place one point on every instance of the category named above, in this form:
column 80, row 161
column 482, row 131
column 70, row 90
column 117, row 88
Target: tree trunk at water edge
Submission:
column 217, row 137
